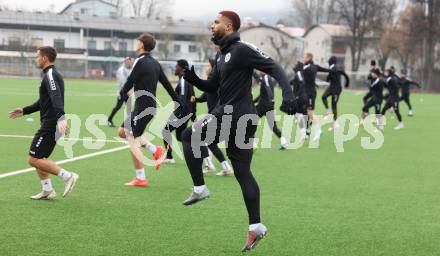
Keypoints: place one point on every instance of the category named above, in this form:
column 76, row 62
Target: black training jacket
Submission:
column 51, row 100
column 232, row 76
column 144, row 75
column 310, row 71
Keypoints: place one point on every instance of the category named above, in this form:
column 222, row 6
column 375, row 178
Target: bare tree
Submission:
column 280, row 45
column 3, row 6
column 151, row 9
column 386, row 46
column 313, row 12
column 409, row 35
column 364, row 18
column 119, row 5
column 205, row 46
column 165, row 45
column 387, row 33
column 432, row 36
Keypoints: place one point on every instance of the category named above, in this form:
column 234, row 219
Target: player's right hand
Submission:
column 16, row 113
column 63, row 127
column 288, row 107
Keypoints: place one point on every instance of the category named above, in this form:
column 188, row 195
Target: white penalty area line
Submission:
column 103, row 152
column 74, row 139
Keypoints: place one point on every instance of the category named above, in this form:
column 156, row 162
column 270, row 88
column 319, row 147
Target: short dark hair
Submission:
column 235, row 19
column 183, row 63
column 49, row 52
column 373, row 63
column 376, row 71
column 148, row 41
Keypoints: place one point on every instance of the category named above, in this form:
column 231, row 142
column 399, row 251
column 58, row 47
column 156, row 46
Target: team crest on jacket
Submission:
column 227, row 57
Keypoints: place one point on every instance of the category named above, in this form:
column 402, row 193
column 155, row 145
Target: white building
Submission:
column 327, row 40
column 280, row 46
column 87, row 42
column 91, row 8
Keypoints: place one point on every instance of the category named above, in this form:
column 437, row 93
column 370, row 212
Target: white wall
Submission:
column 319, row 43
column 259, row 36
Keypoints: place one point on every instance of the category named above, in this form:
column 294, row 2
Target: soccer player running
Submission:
column 144, row 76
column 185, row 92
column 405, row 91
column 393, row 97
column 310, row 71
column 211, row 99
column 370, row 80
column 334, row 90
column 300, row 100
column 266, row 104
column 121, row 77
column 376, row 89
column 53, row 126
column 234, row 118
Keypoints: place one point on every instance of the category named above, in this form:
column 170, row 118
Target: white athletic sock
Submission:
column 140, row 174
column 46, row 185
column 226, row 166
column 151, row 147
column 283, row 140
column 208, row 161
column 254, row 227
column 65, row 175
column 199, row 189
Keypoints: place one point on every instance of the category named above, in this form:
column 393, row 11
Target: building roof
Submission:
column 125, row 24
column 81, row 1
column 292, row 31
column 332, row 30
column 262, row 25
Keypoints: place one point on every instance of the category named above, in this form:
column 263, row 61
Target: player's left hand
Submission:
column 193, row 99
column 191, row 76
column 63, row 128
column 16, row 113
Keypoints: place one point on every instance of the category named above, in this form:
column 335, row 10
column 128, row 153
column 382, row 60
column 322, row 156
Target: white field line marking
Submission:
column 66, row 161
column 80, row 139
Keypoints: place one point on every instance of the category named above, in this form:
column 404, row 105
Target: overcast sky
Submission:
column 188, row 9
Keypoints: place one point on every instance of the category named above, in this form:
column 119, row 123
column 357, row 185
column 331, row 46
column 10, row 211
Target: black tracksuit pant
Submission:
column 239, row 149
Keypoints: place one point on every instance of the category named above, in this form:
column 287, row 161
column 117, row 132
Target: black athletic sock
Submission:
column 169, row 150
column 276, row 130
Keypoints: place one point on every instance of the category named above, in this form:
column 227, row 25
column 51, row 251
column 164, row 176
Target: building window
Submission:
column 14, row 41
column 108, row 45
column 37, row 42
column 91, row 45
column 162, row 47
column 364, row 61
column 123, row 46
column 84, row 11
column 58, row 43
column 177, row 48
column 192, row 48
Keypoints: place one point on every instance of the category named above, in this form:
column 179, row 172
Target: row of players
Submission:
column 230, row 82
